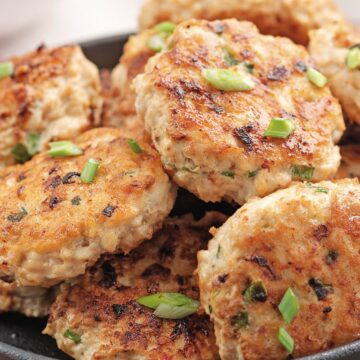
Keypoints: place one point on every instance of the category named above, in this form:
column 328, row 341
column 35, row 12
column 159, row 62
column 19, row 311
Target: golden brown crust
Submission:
column 52, row 92
column 59, row 212
column 305, row 237
column 202, row 132
column 290, row 18
column 102, row 304
column 119, row 109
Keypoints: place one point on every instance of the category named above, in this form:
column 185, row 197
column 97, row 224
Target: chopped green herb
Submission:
column 89, row 171
column 353, row 58
column 6, row 69
column 280, row 128
column 76, row 200
column 109, row 210
column 24, row 152
column 63, row 148
column 228, row 80
column 321, row 289
column 331, row 257
column 240, row 320
column 218, row 252
column 256, row 292
column 230, row 59
column 70, row 175
column 286, row 340
column 130, row 172
column 303, row 172
column 165, row 27
column 210, row 309
column 316, row 77
column 20, row 153
column 170, row 305
column 318, row 189
column 118, row 309
column 18, row 216
column 135, row 147
column 72, row 335
column 228, row 174
column 289, row 306
column 157, row 42
column 251, row 174
column 194, row 170
column 249, row 67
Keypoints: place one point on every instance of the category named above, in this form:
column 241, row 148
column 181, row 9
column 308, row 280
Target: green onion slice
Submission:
column 168, row 311
column 353, row 58
column 289, row 306
column 89, row 171
column 303, row 172
column 228, row 80
column 316, row 77
column 72, row 335
column 32, row 143
column 63, row 148
column 6, row 69
column 286, row 340
column 280, row 128
column 154, row 300
column 165, row 27
column 135, row 147
column 170, row 305
column 157, row 42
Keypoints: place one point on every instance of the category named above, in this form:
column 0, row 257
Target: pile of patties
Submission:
column 240, row 102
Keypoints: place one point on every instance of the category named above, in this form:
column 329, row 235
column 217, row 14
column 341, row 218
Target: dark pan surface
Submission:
column 21, row 338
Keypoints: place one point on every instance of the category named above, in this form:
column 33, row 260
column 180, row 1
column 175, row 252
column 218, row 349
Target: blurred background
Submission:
column 25, row 24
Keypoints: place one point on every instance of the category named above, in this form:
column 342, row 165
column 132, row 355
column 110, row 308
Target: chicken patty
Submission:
column 30, row 301
column 290, row 18
column 52, row 93
column 305, row 238
column 330, row 48
column 209, row 128
column 350, row 162
column 119, row 106
column 53, row 225
column 101, row 306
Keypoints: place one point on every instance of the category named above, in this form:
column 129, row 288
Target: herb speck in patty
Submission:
column 18, row 216
column 321, row 289
column 109, row 210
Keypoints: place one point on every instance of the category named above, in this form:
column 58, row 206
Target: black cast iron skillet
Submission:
column 20, row 337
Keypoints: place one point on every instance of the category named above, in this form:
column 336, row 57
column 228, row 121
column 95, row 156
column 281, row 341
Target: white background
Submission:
column 24, row 24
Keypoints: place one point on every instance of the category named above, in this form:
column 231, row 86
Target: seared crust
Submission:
column 119, row 107
column 52, row 225
column 30, row 301
column 203, row 133
column 329, row 47
column 290, row 18
column 53, row 92
column 305, row 237
column 350, row 162
column 101, row 306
